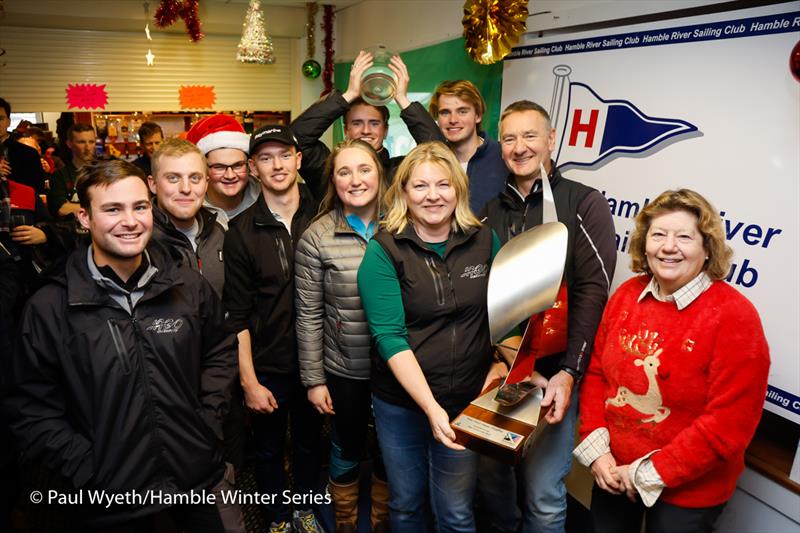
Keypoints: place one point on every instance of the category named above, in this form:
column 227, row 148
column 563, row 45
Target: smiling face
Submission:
column 365, row 122
column 179, row 185
column 674, row 250
column 431, row 201
column 227, row 172
column 120, row 222
column 276, row 166
column 457, row 119
column 526, row 141
column 357, row 181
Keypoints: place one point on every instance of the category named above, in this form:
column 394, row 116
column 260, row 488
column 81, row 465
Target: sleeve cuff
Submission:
column 646, row 479
column 596, row 444
column 389, row 348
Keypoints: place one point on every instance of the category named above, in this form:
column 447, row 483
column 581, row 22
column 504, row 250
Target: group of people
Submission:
column 215, row 292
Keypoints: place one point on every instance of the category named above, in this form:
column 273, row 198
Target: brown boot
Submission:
column 379, row 516
column 345, row 503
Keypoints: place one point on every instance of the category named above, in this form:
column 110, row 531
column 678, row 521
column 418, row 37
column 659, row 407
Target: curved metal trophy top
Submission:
column 526, row 273
column 525, row 277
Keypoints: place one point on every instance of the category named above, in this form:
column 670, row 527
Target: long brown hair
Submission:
column 330, row 200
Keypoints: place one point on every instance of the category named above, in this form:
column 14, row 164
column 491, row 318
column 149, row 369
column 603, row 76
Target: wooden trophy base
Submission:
column 498, row 431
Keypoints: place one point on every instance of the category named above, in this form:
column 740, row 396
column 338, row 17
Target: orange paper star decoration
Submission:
column 197, row 96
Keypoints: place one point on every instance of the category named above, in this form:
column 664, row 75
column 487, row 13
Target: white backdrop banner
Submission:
column 707, row 103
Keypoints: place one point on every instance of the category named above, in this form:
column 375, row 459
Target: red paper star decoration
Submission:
column 86, row 96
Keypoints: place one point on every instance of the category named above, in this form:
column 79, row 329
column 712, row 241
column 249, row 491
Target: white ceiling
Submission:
column 283, row 18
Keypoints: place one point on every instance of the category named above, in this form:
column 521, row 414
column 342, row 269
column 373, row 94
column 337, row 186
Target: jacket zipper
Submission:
column 282, row 256
column 119, row 345
column 437, row 279
column 146, row 384
column 452, row 337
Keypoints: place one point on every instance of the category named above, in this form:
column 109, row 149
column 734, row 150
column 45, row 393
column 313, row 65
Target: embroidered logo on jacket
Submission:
column 165, row 325
column 475, row 271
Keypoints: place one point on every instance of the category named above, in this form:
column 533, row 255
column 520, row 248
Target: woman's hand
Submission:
column 604, row 469
column 320, row 398
column 440, row 427
column 496, row 371
column 626, row 483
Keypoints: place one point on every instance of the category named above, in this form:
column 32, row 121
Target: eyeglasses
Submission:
column 218, row 169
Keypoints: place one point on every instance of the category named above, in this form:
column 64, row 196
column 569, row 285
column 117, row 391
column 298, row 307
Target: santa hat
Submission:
column 218, row 131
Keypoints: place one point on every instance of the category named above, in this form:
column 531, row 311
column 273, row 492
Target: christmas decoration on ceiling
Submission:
column 169, row 10
column 256, row 44
column 327, row 41
column 197, row 96
column 86, row 96
column 311, row 68
column 493, row 27
column 149, row 56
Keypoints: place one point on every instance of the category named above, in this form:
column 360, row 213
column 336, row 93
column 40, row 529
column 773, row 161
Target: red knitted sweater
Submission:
column 688, row 383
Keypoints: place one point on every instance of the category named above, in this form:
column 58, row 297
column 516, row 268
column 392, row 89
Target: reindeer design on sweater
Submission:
column 645, row 347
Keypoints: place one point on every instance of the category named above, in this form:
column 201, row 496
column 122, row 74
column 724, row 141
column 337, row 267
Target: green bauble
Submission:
column 311, row 69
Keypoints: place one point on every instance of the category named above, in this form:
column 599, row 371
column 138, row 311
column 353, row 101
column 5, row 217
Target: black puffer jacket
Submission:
column 124, row 391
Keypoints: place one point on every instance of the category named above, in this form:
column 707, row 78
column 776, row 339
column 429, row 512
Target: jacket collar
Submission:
column 454, row 240
column 262, row 215
column 87, row 286
column 511, row 195
column 205, row 218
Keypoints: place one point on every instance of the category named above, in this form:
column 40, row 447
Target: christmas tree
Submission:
column 256, row 45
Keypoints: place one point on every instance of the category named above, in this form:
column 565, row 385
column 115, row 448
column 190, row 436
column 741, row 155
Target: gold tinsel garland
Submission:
column 493, row 27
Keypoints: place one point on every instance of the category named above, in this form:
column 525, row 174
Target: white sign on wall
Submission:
column 708, row 103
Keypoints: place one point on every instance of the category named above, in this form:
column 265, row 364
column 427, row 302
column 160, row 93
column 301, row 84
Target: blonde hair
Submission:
column 709, row 224
column 331, row 200
column 175, row 147
column 438, row 154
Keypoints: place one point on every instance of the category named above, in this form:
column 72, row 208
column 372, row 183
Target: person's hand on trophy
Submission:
column 557, row 393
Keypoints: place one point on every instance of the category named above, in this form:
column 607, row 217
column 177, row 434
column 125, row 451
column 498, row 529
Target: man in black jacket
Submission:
column 180, row 221
column 361, row 121
column 527, row 140
column 121, row 377
column 259, row 297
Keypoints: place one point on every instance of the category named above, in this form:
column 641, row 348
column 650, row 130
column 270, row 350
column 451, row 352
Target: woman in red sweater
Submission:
column 677, row 380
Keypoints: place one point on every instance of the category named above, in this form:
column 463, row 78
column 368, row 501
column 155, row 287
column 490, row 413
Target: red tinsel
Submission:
column 169, row 10
column 327, row 41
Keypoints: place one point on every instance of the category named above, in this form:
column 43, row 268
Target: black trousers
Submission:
column 354, row 425
column 617, row 514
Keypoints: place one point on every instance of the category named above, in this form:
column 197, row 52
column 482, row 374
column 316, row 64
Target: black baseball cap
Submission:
column 272, row 132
